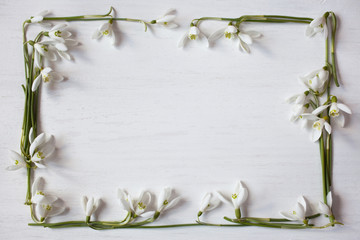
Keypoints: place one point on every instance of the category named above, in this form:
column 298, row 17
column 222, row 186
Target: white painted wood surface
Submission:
column 146, row 114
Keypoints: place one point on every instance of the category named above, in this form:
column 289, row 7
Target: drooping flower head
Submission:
column 208, row 203
column 105, row 30
column 317, row 25
column 193, row 34
column 167, row 20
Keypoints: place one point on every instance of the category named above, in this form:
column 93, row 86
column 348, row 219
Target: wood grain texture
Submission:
column 144, row 114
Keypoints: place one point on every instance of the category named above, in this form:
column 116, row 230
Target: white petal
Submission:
column 39, row 165
column 302, row 201
column 324, row 209
column 14, row 156
column 40, row 211
column 59, row 26
column 84, row 201
column 37, row 19
column 216, row 35
column 37, row 185
column 89, row 207
column 56, row 210
column 166, row 18
column 292, row 98
column 183, row 40
column 320, row 109
column 147, row 214
column 222, row 198
column 37, row 60
column 172, row 203
column 309, row 116
column 300, row 211
column 316, row 134
column 288, row 216
column 329, row 199
column 61, row 46
column 340, row 120
column 344, row 108
column 104, row 27
column 244, row 46
column 164, row 195
column 36, row 83
column 213, row 203
column 65, row 34
column 309, row 32
column 327, row 127
column 205, row 202
column 245, row 37
column 40, row 139
column 171, row 25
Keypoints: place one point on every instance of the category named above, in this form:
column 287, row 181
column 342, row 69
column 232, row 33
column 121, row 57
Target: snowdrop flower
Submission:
column 326, row 208
column 238, row 197
column 167, row 20
column 315, row 80
column 135, row 207
column 58, row 33
column 89, row 205
column 42, row 147
column 105, row 30
column 318, row 125
column 164, row 201
column 231, row 32
column 39, row 17
column 298, row 98
column 47, row 75
column 334, row 111
column 193, row 33
column 17, row 161
column 316, row 26
column 297, row 111
column 298, row 212
column 38, row 193
column 44, row 49
column 48, row 207
column 208, row 203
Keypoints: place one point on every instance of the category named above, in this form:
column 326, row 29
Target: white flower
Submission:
column 326, row 208
column 50, row 48
column 39, row 19
column 231, row 32
column 315, row 80
column 208, row 203
column 38, row 194
column 297, row 111
column 17, row 161
column 317, row 25
column 164, row 201
column 46, row 74
column 135, row 206
column 298, row 212
column 43, row 49
column 89, row 205
column 334, row 112
column 238, row 196
column 58, row 33
column 318, row 125
column 42, row 147
column 167, row 20
column 47, row 207
column 105, row 30
column 193, row 33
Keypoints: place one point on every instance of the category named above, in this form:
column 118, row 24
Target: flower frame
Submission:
column 35, row 148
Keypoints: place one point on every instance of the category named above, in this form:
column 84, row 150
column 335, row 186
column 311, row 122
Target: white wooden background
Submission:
column 146, row 114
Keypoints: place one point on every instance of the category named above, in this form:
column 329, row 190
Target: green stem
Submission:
column 323, row 167
column 333, row 58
